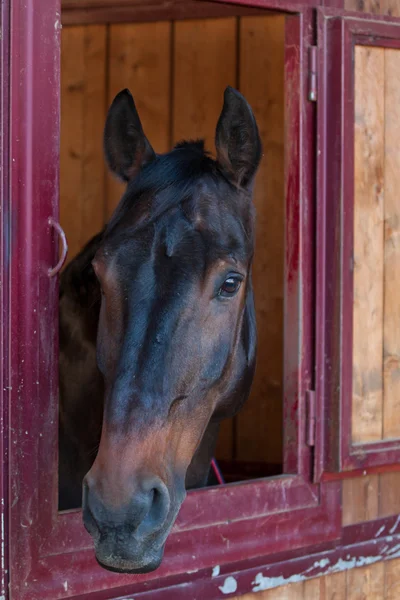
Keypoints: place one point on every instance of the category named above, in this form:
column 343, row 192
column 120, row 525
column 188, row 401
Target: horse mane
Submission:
column 168, row 181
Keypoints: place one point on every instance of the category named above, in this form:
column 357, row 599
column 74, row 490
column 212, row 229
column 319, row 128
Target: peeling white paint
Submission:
column 361, row 561
column 380, row 530
column 393, row 529
column 324, row 562
column 215, row 571
column 65, row 586
column 230, row 586
column 393, row 550
column 262, row 583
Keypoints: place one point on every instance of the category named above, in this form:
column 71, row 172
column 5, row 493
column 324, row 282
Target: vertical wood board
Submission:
column 82, row 196
column 367, row 403
column 366, row 582
column 382, row 7
column 391, row 333
column 261, row 80
column 140, row 59
column 204, row 63
column 360, row 499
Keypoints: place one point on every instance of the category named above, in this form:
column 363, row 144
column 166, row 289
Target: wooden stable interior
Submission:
column 177, row 72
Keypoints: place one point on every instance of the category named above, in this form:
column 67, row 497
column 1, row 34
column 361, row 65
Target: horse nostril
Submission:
column 158, row 502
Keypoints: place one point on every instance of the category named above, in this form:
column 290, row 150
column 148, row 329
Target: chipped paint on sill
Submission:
column 230, row 585
column 393, row 529
column 215, row 571
column 262, row 583
column 380, row 530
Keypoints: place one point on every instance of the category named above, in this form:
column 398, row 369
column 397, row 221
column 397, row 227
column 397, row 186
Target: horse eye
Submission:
column 230, row 286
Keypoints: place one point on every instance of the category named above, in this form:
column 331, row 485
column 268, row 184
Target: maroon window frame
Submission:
column 51, row 555
column 338, row 34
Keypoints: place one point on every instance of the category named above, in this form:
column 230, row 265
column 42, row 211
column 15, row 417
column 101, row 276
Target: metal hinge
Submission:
column 311, row 417
column 312, row 73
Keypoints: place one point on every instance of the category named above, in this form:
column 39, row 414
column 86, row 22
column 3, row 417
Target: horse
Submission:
column 157, row 332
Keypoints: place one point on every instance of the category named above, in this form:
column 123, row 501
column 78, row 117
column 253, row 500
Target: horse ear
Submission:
column 237, row 140
column 126, row 147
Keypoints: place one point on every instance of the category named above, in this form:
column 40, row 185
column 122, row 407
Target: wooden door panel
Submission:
column 358, row 260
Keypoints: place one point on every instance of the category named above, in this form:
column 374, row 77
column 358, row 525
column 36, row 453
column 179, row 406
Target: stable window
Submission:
column 304, row 273
column 358, row 257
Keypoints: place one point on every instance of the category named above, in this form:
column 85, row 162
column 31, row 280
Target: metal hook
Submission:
column 64, row 248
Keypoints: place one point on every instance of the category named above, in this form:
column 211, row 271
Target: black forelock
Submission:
column 170, row 179
column 188, row 178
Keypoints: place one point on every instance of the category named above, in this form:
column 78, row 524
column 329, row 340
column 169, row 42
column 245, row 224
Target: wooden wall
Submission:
column 376, row 309
column 380, row 7
column 380, row 581
column 178, row 83
column 376, row 349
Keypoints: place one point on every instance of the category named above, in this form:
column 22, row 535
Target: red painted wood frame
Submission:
column 51, row 555
column 337, row 37
column 4, row 290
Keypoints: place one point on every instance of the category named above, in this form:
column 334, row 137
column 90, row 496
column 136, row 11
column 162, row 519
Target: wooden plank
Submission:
column 382, row 7
column 330, row 587
column 294, row 591
column 390, row 7
column 72, row 133
column 391, row 339
column 360, row 499
column 140, row 59
column 82, row 194
column 392, row 580
column 389, row 497
column 368, row 6
column 367, row 405
column 366, row 582
column 93, row 165
column 259, row 424
column 204, row 63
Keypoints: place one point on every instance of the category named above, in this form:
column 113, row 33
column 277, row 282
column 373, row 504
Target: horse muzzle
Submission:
column 130, row 538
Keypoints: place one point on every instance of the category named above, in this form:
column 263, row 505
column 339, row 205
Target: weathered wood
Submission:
column 391, row 339
column 367, row 405
column 369, row 6
column 330, row 587
column 392, row 580
column 366, row 582
column 389, row 498
column 360, row 499
column 285, row 592
column 390, row 7
column 140, row 59
column 261, row 72
column 379, row 581
column 204, row 63
column 82, row 199
column 382, row 7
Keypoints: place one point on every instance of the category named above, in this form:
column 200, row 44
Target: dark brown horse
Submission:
column 157, row 332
